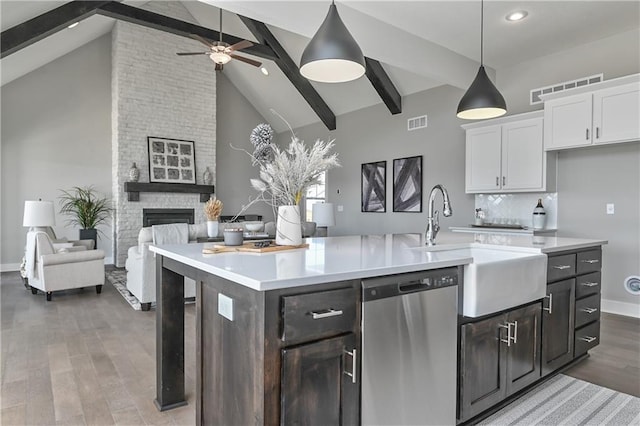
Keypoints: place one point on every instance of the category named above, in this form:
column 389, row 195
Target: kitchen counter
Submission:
column 497, row 230
column 353, row 257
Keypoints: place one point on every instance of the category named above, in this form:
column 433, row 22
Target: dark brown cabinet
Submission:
column 319, row 383
column 557, row 325
column 498, row 356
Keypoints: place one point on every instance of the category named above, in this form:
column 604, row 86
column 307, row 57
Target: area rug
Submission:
column 118, row 278
column 564, row 400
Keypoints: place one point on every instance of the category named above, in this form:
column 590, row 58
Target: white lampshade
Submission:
column 323, row 215
column 38, row 214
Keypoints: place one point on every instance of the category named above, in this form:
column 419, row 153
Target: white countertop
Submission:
column 353, row 257
column 496, row 230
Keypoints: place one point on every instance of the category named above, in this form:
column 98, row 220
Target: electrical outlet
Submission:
column 611, row 208
column 225, row 306
column 340, row 208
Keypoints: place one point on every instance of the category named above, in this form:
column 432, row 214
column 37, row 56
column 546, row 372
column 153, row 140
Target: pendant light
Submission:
column 332, row 55
column 482, row 99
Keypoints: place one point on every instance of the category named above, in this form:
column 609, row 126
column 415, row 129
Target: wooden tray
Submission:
column 248, row 248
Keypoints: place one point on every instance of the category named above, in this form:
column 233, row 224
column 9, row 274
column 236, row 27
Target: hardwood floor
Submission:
column 89, row 359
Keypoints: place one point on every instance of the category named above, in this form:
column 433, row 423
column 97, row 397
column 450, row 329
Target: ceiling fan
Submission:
column 221, row 52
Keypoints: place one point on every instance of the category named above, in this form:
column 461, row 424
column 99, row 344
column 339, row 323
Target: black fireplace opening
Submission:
column 164, row 216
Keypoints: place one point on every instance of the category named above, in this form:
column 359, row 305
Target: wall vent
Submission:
column 416, row 123
column 534, row 95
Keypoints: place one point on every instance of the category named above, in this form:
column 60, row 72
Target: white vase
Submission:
column 288, row 228
column 212, row 228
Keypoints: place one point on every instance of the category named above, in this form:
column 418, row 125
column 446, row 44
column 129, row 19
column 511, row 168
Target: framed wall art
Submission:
column 407, row 184
column 374, row 187
column 171, row 160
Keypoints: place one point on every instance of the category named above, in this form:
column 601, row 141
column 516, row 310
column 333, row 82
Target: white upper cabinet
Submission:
column 610, row 114
column 507, row 155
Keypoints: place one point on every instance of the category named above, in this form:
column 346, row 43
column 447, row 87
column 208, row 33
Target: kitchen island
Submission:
column 248, row 328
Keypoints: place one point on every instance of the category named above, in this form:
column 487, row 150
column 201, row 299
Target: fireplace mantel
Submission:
column 133, row 189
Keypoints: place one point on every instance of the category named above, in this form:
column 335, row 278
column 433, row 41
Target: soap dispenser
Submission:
column 539, row 216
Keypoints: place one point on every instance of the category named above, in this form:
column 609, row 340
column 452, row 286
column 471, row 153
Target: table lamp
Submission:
column 323, row 216
column 38, row 215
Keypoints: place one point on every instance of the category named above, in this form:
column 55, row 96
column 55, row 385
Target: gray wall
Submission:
column 373, row 134
column 589, row 178
column 56, row 134
column 236, row 118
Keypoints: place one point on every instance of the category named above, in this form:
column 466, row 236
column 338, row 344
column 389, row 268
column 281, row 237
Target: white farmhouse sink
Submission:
column 497, row 280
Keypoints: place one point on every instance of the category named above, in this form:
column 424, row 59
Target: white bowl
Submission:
column 253, row 226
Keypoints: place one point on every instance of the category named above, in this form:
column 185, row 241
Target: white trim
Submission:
column 9, row 267
column 108, row 261
column 621, row 308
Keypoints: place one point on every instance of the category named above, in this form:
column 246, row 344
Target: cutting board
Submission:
column 248, row 248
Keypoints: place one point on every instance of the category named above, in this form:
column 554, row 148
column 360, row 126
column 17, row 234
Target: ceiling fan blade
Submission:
column 219, row 67
column 192, row 53
column 241, row 45
column 202, row 40
column 246, row 60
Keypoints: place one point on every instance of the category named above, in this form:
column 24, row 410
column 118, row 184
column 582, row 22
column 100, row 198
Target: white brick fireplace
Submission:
column 157, row 93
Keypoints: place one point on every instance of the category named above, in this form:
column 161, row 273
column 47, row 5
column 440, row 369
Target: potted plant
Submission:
column 86, row 209
column 213, row 210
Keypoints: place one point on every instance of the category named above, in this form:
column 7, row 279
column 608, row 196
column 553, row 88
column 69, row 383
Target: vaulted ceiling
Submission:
column 420, row 44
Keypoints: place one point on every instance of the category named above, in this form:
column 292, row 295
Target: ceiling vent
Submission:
column 416, row 123
column 534, row 95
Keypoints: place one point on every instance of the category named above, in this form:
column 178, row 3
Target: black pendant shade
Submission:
column 332, row 55
column 482, row 99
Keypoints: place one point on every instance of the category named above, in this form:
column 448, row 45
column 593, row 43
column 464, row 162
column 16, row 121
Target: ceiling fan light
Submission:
column 332, row 55
column 482, row 100
column 220, row 57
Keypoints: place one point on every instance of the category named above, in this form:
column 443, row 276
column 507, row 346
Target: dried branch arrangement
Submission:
column 213, row 208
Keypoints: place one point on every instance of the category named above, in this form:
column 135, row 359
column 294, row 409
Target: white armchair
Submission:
column 49, row 270
column 141, row 267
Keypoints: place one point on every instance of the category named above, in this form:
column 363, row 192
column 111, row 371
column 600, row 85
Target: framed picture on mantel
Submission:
column 171, row 160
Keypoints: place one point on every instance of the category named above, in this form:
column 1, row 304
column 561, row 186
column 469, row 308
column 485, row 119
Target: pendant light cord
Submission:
column 220, row 25
column 481, row 32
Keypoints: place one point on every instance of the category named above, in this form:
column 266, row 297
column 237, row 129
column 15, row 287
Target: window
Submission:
column 315, row 194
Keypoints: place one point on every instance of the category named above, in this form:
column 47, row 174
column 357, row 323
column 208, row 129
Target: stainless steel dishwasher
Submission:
column 409, row 348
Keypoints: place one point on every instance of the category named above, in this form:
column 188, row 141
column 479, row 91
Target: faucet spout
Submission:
column 433, row 222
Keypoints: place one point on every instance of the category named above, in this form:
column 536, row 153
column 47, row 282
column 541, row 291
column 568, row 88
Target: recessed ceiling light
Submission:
column 518, row 15
column 75, row 24
column 264, row 71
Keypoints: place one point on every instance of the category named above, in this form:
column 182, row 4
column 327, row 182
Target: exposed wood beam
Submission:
column 290, row 69
column 383, row 85
column 33, row 30
column 156, row 21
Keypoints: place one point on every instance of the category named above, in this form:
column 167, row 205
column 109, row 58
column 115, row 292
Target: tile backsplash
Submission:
column 517, row 209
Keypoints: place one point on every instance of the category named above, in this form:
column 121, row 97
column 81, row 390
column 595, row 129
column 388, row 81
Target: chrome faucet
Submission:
column 433, row 224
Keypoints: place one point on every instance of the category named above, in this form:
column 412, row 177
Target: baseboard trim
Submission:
column 9, row 267
column 621, row 308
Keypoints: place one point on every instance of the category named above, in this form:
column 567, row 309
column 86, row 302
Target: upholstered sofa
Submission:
column 49, row 270
column 141, row 266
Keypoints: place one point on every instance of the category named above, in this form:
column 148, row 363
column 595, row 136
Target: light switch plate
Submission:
column 611, row 208
column 225, row 306
column 340, row 208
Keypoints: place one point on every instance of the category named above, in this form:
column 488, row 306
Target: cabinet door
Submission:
column 318, row 383
column 482, row 366
column 567, row 122
column 523, row 165
column 483, row 159
column 557, row 325
column 616, row 113
column 523, row 362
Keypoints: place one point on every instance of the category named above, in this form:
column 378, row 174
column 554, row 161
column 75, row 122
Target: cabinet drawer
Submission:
column 588, row 284
column 559, row 267
column 313, row 316
column 589, row 261
column 587, row 310
column 586, row 338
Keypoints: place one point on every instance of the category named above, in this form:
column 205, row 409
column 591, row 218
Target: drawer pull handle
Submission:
column 562, row 267
column 588, row 339
column 354, row 365
column 509, row 336
column 589, row 284
column 550, row 308
column 589, row 310
column 326, row 314
column 590, row 261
